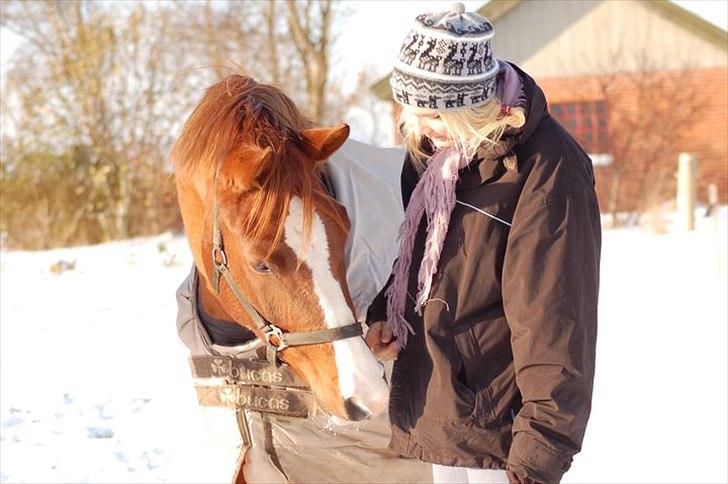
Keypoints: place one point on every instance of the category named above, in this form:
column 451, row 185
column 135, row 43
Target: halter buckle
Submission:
column 218, row 256
column 274, row 330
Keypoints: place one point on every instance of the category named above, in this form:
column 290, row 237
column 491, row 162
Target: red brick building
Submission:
column 635, row 82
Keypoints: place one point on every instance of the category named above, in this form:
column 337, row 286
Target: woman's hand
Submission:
column 380, row 341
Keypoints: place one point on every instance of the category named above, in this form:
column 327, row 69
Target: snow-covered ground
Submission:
column 95, row 387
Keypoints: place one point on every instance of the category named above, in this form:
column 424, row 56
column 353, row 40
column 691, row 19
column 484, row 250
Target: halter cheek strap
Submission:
column 282, row 339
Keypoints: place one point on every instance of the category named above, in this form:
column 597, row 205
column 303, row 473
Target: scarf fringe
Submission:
column 434, row 196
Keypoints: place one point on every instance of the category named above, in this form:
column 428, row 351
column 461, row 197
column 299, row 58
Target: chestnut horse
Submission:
column 268, row 240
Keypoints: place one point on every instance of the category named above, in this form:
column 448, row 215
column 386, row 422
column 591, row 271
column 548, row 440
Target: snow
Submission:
column 660, row 401
column 95, row 384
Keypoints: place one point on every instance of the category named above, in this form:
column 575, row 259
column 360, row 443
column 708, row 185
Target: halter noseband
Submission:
column 285, row 339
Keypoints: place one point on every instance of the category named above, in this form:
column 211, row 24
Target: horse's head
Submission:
column 248, row 168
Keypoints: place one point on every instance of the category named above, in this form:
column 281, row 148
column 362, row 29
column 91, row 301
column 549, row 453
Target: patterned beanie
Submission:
column 446, row 62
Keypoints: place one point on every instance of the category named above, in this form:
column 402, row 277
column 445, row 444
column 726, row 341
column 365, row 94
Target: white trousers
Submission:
column 463, row 475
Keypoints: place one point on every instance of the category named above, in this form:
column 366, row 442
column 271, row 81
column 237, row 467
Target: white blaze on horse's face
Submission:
column 361, row 380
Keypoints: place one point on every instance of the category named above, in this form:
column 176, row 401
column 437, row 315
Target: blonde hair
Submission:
column 468, row 128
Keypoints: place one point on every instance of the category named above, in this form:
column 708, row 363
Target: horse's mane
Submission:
column 238, row 110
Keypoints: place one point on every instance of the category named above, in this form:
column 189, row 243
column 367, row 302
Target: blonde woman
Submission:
column 491, row 310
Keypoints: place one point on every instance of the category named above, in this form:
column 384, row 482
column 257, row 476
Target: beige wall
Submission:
column 565, row 38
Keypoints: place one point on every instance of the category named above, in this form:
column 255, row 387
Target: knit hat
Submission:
column 446, row 62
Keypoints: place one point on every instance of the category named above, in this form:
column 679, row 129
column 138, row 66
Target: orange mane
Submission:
column 238, row 110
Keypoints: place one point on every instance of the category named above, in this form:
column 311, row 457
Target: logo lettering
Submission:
column 221, row 367
column 231, row 396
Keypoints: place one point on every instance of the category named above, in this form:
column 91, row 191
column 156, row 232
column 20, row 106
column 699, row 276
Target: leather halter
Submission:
column 269, row 331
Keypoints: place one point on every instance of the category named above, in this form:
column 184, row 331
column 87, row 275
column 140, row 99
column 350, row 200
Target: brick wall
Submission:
column 652, row 117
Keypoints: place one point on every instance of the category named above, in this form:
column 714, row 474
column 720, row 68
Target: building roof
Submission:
column 497, row 9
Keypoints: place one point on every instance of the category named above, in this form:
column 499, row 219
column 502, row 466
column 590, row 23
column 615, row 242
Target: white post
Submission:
column 713, row 198
column 687, row 178
column 713, row 211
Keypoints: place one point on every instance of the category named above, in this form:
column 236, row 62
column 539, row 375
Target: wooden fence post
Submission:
column 687, row 181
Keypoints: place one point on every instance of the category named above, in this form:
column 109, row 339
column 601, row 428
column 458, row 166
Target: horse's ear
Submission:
column 320, row 143
column 242, row 168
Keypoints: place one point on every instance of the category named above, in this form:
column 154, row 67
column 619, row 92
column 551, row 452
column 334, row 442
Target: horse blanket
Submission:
column 263, row 425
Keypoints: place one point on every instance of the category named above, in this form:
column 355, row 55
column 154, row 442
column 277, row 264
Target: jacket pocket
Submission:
column 483, row 411
column 467, row 394
column 450, row 401
column 474, row 368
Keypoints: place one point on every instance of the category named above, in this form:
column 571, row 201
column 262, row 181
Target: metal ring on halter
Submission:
column 278, row 333
column 223, row 258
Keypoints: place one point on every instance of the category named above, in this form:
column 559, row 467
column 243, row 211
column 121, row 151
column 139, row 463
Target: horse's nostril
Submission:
column 354, row 411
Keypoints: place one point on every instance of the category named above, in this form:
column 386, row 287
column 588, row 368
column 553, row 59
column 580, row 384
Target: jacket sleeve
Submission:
column 378, row 308
column 550, row 288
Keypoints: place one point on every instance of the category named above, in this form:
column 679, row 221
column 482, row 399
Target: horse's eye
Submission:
column 262, row 267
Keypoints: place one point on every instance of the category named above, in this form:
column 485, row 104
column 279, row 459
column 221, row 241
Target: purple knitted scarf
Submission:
column 434, row 196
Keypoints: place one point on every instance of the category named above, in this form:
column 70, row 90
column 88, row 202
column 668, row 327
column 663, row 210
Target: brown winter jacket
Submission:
column 499, row 373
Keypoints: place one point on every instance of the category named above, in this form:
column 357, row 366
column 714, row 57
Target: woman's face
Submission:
column 424, row 122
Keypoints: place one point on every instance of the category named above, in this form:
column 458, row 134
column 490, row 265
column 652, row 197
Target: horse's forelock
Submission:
column 238, row 110
column 233, row 111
